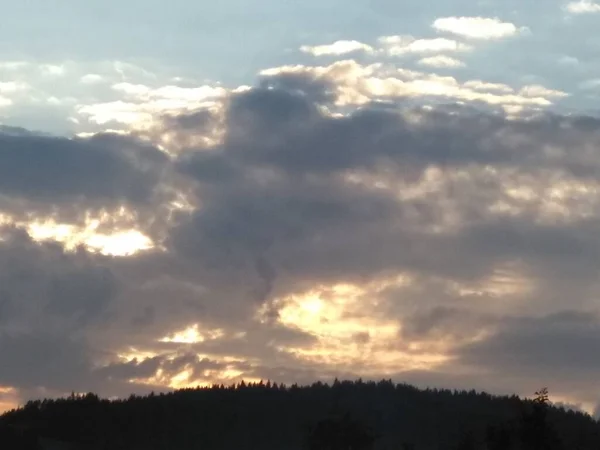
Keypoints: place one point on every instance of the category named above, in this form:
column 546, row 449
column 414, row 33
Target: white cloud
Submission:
column 91, row 78
column 12, row 65
column 400, row 45
column 535, row 90
column 132, row 89
column 52, row 69
column 357, row 84
column 9, row 87
column 476, row 27
column 337, row 48
column 141, row 103
column 582, row 7
column 441, row 61
column 118, row 111
column 171, row 92
column 480, row 85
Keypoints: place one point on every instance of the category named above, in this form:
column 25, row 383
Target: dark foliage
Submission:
column 345, row 415
column 340, row 434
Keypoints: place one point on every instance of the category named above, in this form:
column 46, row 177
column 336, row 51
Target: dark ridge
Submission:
column 263, row 416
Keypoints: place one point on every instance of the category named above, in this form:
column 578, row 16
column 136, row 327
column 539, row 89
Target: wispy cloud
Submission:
column 91, row 78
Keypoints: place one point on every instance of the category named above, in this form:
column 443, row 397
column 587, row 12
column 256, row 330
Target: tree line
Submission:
column 343, row 415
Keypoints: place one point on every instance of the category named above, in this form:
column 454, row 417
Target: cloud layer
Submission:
column 355, row 217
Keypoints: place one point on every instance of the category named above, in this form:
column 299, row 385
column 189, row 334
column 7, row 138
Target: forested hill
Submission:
column 348, row 415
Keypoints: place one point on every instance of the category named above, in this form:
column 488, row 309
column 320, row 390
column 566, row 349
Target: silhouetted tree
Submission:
column 466, row 442
column 498, row 437
column 340, row 434
column 536, row 431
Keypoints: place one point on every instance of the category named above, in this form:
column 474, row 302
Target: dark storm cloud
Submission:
column 284, row 130
column 560, row 346
column 32, row 360
column 49, row 299
column 557, row 350
column 41, row 280
column 519, row 353
column 275, row 184
column 437, row 322
column 102, row 170
column 248, row 218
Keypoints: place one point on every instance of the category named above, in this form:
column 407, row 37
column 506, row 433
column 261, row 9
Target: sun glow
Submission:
column 119, row 243
column 8, row 398
column 348, row 333
column 192, row 335
column 189, row 375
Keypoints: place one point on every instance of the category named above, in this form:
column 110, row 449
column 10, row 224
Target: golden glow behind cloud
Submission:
column 117, row 243
column 348, row 334
column 192, row 335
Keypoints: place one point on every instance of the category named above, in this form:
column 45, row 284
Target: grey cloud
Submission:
column 274, row 190
column 317, row 90
column 437, row 322
column 185, row 130
column 259, row 342
column 145, row 368
column 170, row 365
column 518, row 354
column 557, row 350
column 276, row 215
column 38, row 359
column 42, row 280
column 50, row 299
column 102, row 171
column 283, row 130
column 562, row 345
column 198, row 121
column 249, row 218
column 299, row 375
column 209, row 168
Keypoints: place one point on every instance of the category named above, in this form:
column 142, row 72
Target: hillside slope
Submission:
column 267, row 416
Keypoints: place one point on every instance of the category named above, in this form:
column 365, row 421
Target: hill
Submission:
column 264, row 416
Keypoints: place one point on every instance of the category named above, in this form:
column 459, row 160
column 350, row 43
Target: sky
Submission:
column 204, row 192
